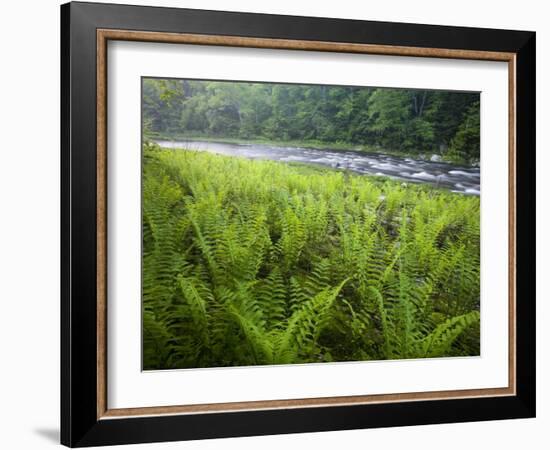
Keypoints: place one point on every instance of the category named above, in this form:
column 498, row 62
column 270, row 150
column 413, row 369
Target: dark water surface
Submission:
column 455, row 178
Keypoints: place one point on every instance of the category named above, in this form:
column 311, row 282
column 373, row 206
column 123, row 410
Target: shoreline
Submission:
column 461, row 185
column 336, row 147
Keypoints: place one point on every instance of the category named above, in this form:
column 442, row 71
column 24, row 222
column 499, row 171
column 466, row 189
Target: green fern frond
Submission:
column 439, row 342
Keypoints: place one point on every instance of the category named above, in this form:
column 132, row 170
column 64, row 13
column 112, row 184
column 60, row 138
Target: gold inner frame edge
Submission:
column 103, row 36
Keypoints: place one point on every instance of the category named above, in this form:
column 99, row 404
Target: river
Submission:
column 461, row 179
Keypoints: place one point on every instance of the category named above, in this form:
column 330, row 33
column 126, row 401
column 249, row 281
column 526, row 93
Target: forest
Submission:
column 255, row 261
column 417, row 123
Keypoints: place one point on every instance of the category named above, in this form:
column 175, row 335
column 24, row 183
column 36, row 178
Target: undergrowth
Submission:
column 260, row 262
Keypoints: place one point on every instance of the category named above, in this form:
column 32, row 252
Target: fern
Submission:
column 305, row 325
column 439, row 341
column 258, row 262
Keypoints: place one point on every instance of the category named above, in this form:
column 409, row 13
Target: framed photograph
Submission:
column 276, row 224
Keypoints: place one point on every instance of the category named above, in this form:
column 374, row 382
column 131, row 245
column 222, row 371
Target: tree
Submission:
column 411, row 121
column 466, row 143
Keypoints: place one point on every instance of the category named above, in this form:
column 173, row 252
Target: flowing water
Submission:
column 455, row 178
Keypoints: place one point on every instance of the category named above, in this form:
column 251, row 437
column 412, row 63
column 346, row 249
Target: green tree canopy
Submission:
column 411, row 121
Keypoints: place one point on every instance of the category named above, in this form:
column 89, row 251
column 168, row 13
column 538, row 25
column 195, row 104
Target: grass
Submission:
column 335, row 146
column 249, row 262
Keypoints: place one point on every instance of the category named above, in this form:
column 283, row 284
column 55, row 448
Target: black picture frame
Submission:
column 80, row 425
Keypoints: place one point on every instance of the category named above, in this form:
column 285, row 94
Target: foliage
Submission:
column 467, row 137
column 259, row 262
column 410, row 121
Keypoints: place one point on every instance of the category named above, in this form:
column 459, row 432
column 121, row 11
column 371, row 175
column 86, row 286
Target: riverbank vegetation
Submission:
column 411, row 122
column 249, row 262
